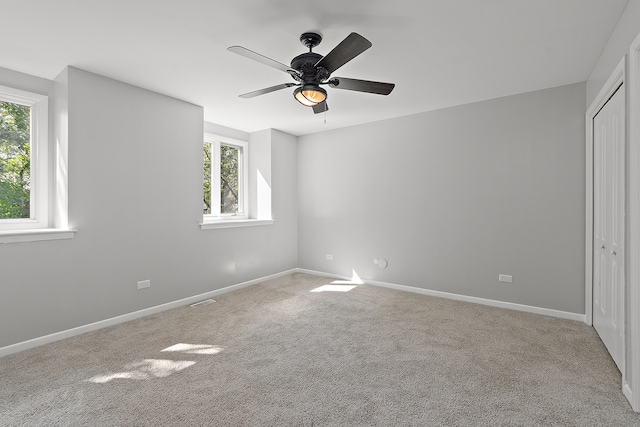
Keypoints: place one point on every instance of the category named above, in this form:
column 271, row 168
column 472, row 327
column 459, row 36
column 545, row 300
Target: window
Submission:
column 225, row 178
column 24, row 171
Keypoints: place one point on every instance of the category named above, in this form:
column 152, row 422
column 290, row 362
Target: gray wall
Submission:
column 135, row 197
column 452, row 198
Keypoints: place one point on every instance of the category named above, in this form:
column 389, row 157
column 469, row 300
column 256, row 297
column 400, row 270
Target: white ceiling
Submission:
column 439, row 53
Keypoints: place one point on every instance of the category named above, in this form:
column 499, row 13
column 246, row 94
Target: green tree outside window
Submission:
column 15, row 160
column 229, row 178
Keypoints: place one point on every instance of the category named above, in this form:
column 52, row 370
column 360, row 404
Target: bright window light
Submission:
column 225, row 182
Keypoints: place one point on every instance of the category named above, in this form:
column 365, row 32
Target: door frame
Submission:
column 617, row 78
column 631, row 384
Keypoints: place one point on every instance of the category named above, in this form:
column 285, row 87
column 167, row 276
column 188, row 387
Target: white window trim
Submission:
column 243, row 179
column 234, row 223
column 21, row 236
column 40, row 197
column 40, row 226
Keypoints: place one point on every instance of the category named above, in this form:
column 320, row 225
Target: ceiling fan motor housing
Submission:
column 306, row 65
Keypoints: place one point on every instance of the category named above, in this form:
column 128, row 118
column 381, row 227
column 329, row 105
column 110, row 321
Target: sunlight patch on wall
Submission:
column 355, row 280
column 264, row 198
column 61, row 217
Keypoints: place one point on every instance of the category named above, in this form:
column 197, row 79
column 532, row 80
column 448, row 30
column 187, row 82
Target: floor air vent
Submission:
column 205, row 302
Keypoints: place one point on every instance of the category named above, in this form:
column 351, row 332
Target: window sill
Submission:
column 233, row 223
column 35, row 235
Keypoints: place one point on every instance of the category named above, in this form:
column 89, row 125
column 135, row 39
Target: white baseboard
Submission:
column 25, row 345
column 628, row 393
column 458, row 297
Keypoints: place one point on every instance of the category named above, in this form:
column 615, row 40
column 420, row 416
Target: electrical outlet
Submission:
column 329, row 257
column 505, row 278
column 144, row 284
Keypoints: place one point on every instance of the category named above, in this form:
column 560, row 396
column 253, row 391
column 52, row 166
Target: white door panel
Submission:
column 608, row 232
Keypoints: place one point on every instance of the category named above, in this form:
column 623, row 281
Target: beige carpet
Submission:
column 278, row 354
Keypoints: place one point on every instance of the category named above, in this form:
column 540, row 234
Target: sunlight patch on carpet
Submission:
column 355, row 280
column 145, row 369
column 334, row 288
column 195, row 348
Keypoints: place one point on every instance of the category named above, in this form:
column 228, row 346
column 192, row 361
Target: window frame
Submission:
column 216, row 142
column 40, row 193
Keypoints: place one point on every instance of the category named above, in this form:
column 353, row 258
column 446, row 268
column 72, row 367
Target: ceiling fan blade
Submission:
column 361, row 85
column 267, row 90
column 321, row 107
column 242, row 51
column 353, row 45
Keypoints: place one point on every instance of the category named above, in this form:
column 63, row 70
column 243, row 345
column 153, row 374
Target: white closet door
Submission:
column 608, row 215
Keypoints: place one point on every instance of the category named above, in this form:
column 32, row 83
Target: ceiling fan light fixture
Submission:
column 310, row 95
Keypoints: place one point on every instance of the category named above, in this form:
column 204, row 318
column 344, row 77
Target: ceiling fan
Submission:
column 310, row 70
